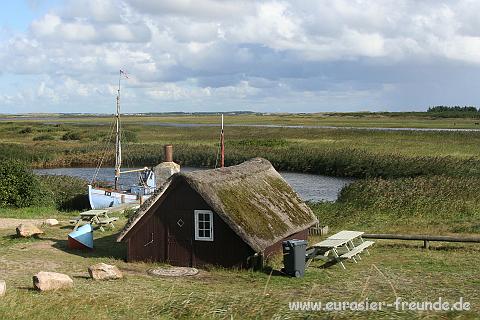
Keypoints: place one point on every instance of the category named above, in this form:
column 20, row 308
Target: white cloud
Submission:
column 198, row 9
column 218, row 53
column 52, row 27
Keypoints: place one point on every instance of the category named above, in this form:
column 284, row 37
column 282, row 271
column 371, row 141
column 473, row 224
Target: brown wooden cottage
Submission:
column 221, row 217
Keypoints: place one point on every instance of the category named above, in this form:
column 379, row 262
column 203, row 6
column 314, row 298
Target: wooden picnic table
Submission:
column 350, row 242
column 346, row 234
column 98, row 217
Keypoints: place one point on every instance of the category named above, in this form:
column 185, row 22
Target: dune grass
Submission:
column 392, row 270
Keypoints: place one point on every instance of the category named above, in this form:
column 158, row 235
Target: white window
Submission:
column 203, row 225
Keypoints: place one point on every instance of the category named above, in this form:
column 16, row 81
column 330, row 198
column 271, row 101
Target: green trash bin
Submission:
column 294, row 257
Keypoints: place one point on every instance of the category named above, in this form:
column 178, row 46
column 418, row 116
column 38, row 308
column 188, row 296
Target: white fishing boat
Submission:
column 101, row 198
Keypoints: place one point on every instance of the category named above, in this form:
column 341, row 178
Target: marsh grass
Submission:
column 437, row 204
column 338, row 152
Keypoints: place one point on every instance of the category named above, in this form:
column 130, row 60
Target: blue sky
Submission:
column 212, row 55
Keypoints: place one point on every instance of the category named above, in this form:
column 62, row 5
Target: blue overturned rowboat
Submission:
column 82, row 238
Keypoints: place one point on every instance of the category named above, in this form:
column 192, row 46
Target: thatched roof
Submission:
column 252, row 198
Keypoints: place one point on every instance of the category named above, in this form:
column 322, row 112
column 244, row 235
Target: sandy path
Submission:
column 8, row 223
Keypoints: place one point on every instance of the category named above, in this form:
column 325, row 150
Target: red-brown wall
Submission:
column 277, row 247
column 158, row 237
column 175, row 244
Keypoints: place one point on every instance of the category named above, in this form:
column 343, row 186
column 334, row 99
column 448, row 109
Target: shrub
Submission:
column 68, row 193
column 26, row 130
column 43, row 137
column 71, row 135
column 19, row 186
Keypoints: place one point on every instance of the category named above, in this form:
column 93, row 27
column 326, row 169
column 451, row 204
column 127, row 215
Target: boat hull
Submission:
column 102, row 199
column 82, row 238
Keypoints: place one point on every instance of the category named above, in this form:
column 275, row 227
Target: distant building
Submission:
column 220, row 217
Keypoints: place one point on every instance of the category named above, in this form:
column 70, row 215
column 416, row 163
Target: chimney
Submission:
column 164, row 170
column 168, row 153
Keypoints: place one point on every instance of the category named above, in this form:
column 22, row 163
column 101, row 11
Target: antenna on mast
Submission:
column 118, row 143
column 222, row 147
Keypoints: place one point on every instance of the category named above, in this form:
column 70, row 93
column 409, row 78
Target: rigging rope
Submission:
column 107, row 142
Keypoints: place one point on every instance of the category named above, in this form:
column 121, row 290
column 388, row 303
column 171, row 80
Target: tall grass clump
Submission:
column 71, row 135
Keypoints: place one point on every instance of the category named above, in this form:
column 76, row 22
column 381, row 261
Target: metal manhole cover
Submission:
column 173, row 272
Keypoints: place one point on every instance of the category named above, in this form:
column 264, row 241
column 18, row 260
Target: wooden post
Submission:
column 122, row 198
column 426, row 244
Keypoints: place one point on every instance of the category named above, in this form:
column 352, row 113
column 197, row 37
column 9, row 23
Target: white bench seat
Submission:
column 358, row 249
column 75, row 220
column 108, row 220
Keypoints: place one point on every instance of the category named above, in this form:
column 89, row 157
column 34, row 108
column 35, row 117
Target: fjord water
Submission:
column 310, row 187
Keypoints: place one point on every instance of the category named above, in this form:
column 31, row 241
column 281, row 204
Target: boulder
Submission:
column 103, row 271
column 51, row 222
column 3, row 287
column 27, row 230
column 45, row 281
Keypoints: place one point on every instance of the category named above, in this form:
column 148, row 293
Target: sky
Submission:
column 212, row 55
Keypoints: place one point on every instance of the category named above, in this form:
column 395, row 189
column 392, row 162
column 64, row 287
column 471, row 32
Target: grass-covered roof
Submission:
column 252, row 198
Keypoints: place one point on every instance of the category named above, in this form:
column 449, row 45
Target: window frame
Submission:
column 197, row 223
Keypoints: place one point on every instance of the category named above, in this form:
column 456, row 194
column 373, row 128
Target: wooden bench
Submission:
column 75, row 220
column 356, row 250
column 108, row 221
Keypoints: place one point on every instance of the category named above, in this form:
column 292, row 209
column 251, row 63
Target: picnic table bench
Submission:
column 98, row 217
column 343, row 245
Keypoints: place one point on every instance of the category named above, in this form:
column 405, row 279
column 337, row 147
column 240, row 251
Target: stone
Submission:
column 103, row 271
column 51, row 222
column 173, row 272
column 28, row 230
column 163, row 171
column 45, row 281
column 3, row 288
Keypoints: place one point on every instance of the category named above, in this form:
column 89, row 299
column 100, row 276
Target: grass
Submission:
column 382, row 120
column 435, row 205
column 391, row 270
column 35, row 213
column 341, row 152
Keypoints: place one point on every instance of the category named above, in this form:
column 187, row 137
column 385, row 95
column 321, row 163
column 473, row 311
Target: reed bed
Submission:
column 426, row 204
column 339, row 152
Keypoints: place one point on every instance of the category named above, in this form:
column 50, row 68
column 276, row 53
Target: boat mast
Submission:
column 118, row 143
column 222, row 147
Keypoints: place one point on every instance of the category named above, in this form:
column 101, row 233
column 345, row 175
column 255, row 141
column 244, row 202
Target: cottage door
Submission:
column 180, row 237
